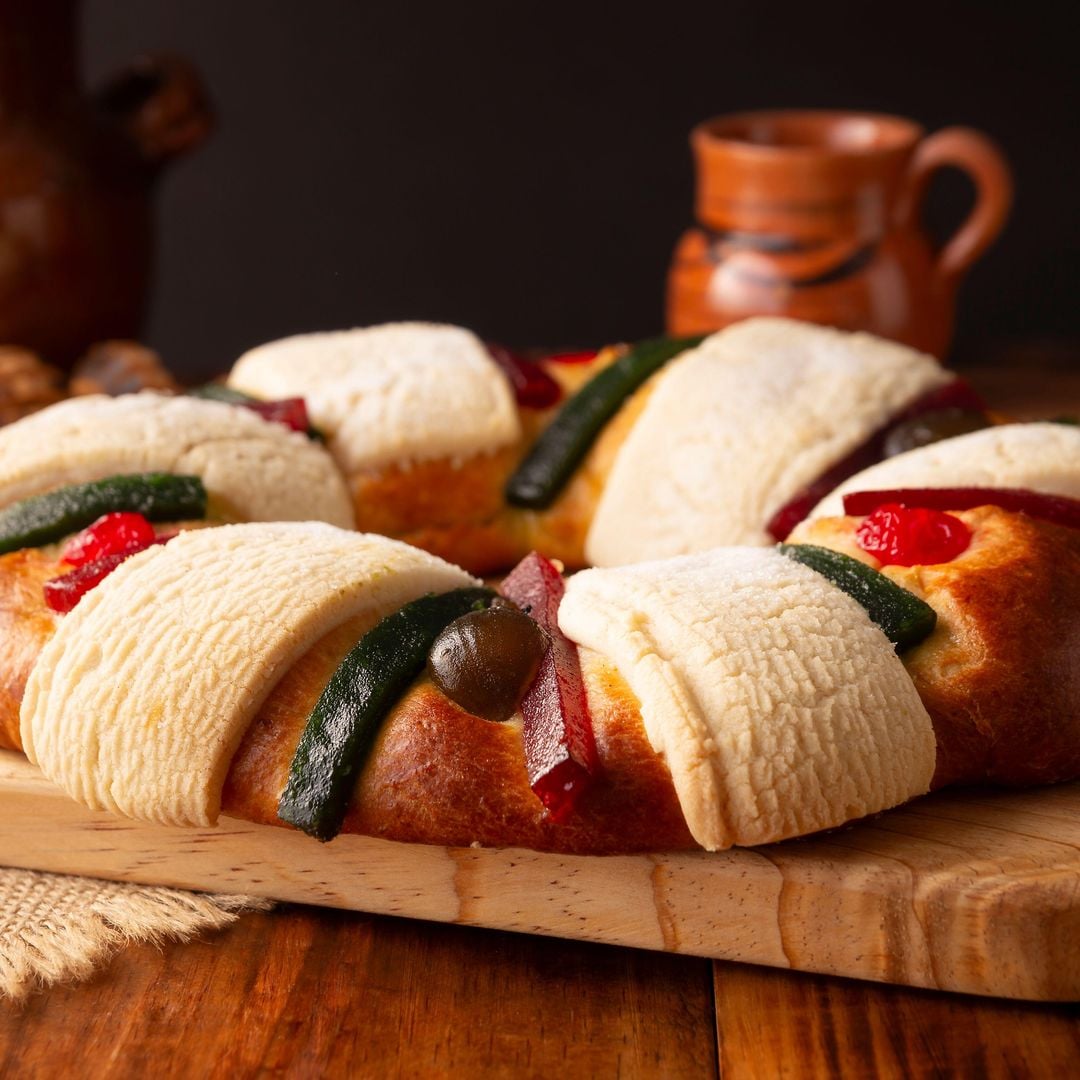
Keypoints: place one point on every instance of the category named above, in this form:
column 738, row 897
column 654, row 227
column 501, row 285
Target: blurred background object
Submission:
column 818, row 215
column 76, row 176
column 120, row 367
column 27, row 383
column 527, row 175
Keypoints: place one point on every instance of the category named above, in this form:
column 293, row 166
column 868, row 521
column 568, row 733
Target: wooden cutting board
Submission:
column 976, row 892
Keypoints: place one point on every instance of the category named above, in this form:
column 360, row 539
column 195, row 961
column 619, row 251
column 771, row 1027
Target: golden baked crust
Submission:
column 26, row 623
column 1000, row 676
column 438, row 775
column 456, row 509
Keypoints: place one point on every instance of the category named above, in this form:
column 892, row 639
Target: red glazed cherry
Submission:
column 111, row 534
column 898, row 536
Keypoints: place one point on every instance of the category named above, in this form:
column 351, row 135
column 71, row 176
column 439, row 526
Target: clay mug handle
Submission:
column 974, row 153
column 160, row 101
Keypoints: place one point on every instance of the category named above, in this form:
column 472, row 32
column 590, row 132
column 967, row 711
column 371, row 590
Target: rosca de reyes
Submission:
column 662, row 448
column 338, row 682
column 167, row 655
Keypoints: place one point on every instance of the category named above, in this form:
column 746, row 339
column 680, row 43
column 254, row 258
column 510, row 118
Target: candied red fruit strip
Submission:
column 899, row 536
column 64, row 592
column 1057, row 509
column 798, row 509
column 582, row 356
column 791, row 513
column 111, row 534
column 957, row 394
column 533, row 387
column 560, row 749
column 292, row 412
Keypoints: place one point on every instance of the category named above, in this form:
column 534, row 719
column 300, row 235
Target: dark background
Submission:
column 523, row 169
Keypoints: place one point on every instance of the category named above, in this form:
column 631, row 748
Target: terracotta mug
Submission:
column 817, row 215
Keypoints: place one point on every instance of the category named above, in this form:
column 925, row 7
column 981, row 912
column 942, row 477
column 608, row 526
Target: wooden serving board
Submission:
column 973, row 892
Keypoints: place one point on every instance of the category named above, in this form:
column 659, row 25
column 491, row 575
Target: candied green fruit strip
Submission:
column 903, row 617
column 44, row 519
column 346, row 719
column 549, row 464
column 220, row 392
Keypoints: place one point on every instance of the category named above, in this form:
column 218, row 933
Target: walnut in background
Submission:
column 27, row 383
column 121, row 367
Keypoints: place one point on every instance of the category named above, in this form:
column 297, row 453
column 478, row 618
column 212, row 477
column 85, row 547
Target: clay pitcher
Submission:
column 76, row 178
column 817, row 215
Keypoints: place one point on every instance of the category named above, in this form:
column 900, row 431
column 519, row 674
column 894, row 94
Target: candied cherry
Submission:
column 112, row 534
column 903, row 536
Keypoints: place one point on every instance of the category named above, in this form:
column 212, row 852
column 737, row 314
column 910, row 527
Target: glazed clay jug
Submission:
column 76, row 177
column 816, row 215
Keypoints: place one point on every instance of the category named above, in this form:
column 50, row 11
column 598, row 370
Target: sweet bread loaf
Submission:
column 778, row 740
column 253, row 469
column 423, row 423
column 736, row 696
column 1001, row 672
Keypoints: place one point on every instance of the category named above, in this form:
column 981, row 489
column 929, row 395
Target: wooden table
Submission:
column 307, row 992
column 304, row 992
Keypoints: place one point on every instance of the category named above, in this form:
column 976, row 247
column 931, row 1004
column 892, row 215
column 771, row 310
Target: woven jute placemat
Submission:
column 55, row 928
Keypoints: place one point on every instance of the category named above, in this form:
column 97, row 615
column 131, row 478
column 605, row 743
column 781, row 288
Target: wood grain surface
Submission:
column 956, row 891
column 304, row 992
column 317, row 993
column 777, row 1024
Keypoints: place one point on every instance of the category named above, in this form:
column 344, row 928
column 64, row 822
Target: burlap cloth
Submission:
column 55, row 928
